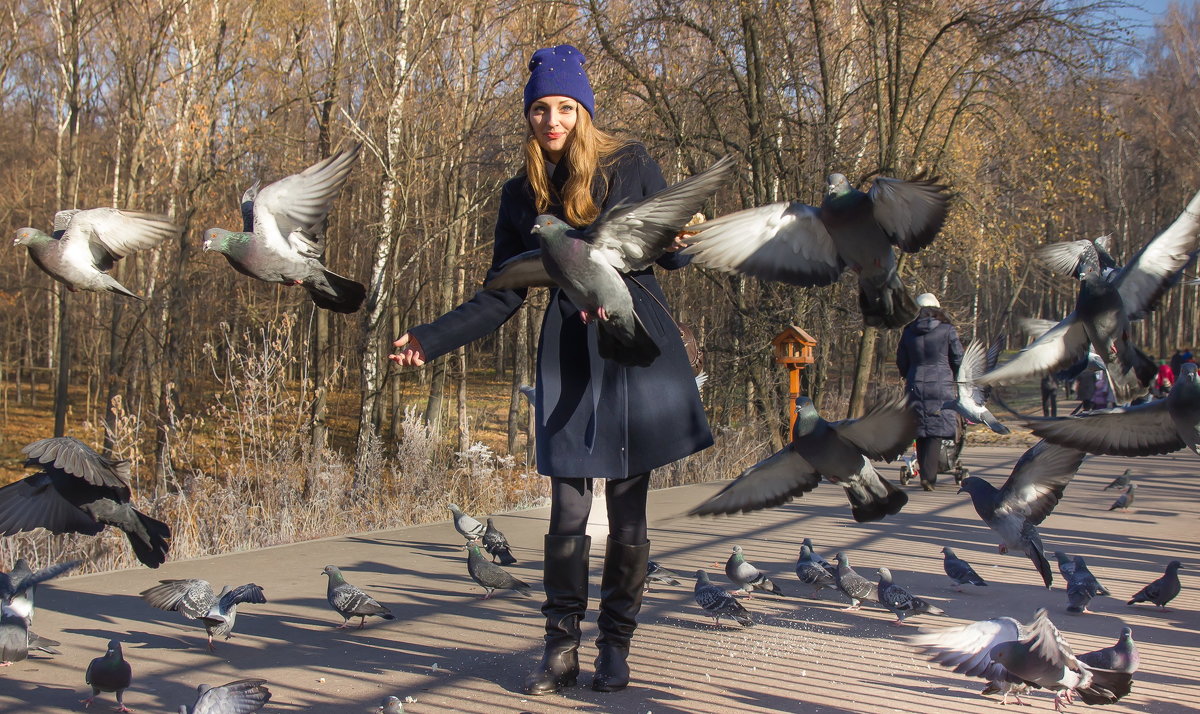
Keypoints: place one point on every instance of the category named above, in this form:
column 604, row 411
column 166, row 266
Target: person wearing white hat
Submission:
column 928, row 300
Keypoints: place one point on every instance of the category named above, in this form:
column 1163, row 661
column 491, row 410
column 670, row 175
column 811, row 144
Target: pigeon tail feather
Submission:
column 348, row 294
column 892, row 307
column 866, row 507
column 639, row 352
column 154, row 553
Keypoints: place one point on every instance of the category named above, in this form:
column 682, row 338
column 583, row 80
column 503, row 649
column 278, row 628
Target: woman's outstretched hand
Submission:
column 410, row 352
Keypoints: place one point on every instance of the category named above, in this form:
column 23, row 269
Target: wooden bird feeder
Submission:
column 793, row 348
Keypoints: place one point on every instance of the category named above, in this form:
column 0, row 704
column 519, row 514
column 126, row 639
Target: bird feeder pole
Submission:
column 793, row 348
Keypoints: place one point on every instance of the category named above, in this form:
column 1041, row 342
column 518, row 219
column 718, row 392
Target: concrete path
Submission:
column 451, row 651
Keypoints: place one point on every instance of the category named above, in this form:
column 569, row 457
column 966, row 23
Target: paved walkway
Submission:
column 451, row 651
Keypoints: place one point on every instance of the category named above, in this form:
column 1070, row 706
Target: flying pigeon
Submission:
column 195, row 600
column 87, row 243
column 960, row 571
column 350, row 602
column 656, row 573
column 1121, row 657
column 716, row 603
column 467, row 526
column 588, row 264
column 1104, row 308
column 283, row 233
column 1125, row 500
column 241, row 697
column 840, row 451
column 812, row 570
column 747, row 577
column 1156, row 427
column 17, row 587
column 79, row 491
column 496, row 545
column 971, row 401
column 808, row 246
column 901, row 602
column 1161, row 591
column 110, row 673
column 1071, row 257
column 391, row 705
column 1121, row 481
column 853, row 585
column 1027, row 497
column 489, row 576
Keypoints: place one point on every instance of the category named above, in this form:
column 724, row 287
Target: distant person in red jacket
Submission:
column 1164, row 380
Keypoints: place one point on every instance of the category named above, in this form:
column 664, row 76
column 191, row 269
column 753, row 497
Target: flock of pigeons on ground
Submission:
column 76, row 490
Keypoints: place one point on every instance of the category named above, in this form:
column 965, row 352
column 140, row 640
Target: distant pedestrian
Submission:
column 1163, row 380
column 1049, row 396
column 1085, row 385
column 1101, row 394
column 1176, row 361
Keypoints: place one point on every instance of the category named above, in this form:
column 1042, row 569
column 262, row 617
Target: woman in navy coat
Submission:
column 595, row 418
column 928, row 357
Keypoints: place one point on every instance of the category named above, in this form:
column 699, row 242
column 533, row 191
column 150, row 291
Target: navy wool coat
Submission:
column 595, row 418
column 928, row 357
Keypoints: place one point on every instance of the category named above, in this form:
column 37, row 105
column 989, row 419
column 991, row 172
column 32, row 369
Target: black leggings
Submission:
column 571, row 503
column 929, row 450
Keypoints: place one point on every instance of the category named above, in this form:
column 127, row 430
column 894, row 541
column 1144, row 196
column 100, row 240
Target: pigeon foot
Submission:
column 86, row 702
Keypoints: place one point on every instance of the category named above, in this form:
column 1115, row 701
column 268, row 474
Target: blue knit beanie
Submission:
column 558, row 71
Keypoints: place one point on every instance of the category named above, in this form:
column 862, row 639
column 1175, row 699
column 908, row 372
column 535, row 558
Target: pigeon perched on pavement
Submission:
column 241, row 697
column 841, row 451
column 496, row 545
column 77, row 490
column 588, row 264
column 747, row 577
column 1027, row 497
column 804, row 245
column 853, row 585
column 1081, row 588
column 18, row 586
column 87, row 243
column 1121, row 481
column 830, row 568
column 467, row 526
column 971, row 399
column 1067, row 566
column 109, row 673
column 716, row 603
column 285, row 240
column 812, row 570
column 1125, row 500
column 350, row 601
column 391, row 705
column 901, row 602
column 1161, row 591
column 489, row 576
column 195, row 600
column 959, row 570
column 1121, row 657
column 656, row 573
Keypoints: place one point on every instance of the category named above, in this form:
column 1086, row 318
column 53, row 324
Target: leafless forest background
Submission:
column 253, row 419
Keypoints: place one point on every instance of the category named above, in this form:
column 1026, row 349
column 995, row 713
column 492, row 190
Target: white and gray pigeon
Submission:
column 283, row 233
column 17, row 587
column 829, row 567
column 497, row 545
column 1082, row 587
column 349, row 601
column 194, row 599
column 747, row 577
column 840, row 451
column 489, row 576
column 1121, row 481
column 1027, row 497
column 901, row 602
column 798, row 244
column 109, row 673
column 87, row 243
column 1067, row 566
column 717, row 603
column 971, row 399
column 241, row 697
column 853, row 585
column 1161, row 591
column 467, row 526
column 959, row 570
column 812, row 570
column 1160, row 426
column 656, row 573
column 1125, row 500
column 588, row 264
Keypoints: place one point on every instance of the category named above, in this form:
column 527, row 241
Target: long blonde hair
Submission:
column 586, row 154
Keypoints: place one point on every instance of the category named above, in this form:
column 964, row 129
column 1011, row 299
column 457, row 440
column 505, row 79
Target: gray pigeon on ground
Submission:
column 496, row 545
column 1121, row 481
column 812, row 570
column 77, row 490
column 1121, row 657
column 971, row 399
column 14, row 636
column 656, row 573
column 1067, row 566
column 467, row 526
column 588, row 264
column 716, row 603
column 18, row 586
column 1125, row 500
column 901, row 602
column 349, row 601
column 489, row 576
column 853, row 585
column 109, row 673
column 747, row 577
column 830, row 568
column 1082, row 587
column 195, row 600
column 241, row 697
column 391, row 705
column 804, row 245
column 1161, row 591
column 285, row 241
column 840, row 451
column 87, row 243
column 959, row 570
column 1027, row 497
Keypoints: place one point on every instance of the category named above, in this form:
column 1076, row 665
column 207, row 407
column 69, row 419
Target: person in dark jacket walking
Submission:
column 928, row 357
column 595, row 418
column 1049, row 396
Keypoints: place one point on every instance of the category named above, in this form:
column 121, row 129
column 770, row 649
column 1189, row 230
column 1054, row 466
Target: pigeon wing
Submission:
column 241, row 697
column 105, row 235
column 910, row 212
column 1140, row 430
column 884, row 433
column 73, row 457
column 34, row 502
column 966, row 648
column 1058, row 347
column 1155, row 267
column 249, row 592
column 525, row 270
column 1038, row 481
column 192, row 598
column 771, row 482
column 1066, row 257
column 301, row 202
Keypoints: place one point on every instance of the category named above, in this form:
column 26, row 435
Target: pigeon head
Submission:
column 30, row 236
column 454, row 509
column 975, row 486
column 202, row 688
column 332, row 571
column 807, row 417
column 837, row 185
column 947, row 551
column 1061, row 557
column 1173, row 566
column 223, row 241
column 1188, row 373
column 547, row 226
column 114, row 649
column 885, row 575
column 842, row 558
column 702, row 576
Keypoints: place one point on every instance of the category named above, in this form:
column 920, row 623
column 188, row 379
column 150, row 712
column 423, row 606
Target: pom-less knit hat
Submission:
column 558, row 71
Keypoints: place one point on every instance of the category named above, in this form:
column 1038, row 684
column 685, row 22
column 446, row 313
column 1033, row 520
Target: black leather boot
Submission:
column 620, row 601
column 565, row 581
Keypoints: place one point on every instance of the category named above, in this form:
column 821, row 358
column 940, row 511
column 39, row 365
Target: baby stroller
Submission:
column 948, row 462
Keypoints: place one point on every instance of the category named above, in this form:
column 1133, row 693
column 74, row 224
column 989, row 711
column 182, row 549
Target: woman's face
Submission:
column 553, row 121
